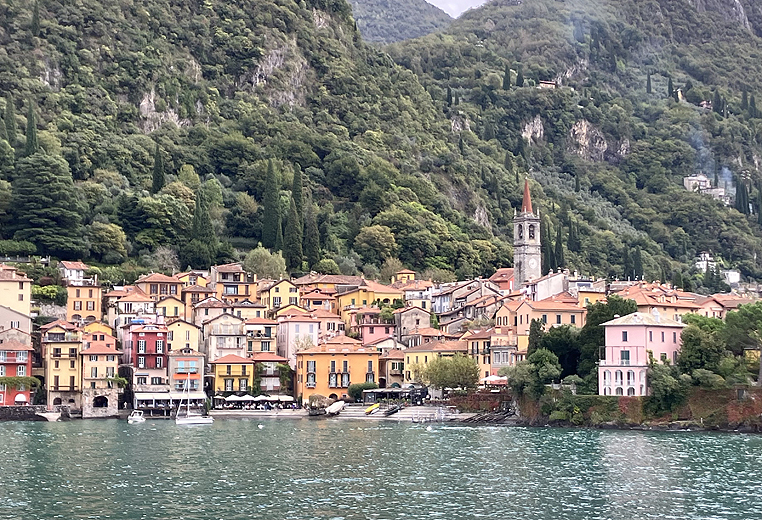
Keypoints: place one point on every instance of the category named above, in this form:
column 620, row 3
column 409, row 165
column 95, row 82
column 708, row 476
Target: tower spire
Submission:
column 526, row 205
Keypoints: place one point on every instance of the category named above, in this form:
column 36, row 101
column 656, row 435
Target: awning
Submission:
column 261, row 398
column 151, row 396
column 179, row 396
column 285, row 398
column 232, row 398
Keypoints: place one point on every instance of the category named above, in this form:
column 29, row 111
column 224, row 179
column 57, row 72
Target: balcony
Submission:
column 8, row 358
column 62, row 388
column 310, row 384
column 186, row 370
column 395, row 372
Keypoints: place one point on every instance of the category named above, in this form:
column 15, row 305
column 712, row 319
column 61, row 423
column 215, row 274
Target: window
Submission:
column 228, row 369
column 558, row 319
column 370, row 366
column 276, row 301
column 110, row 358
column 109, row 371
column 573, row 319
column 625, row 357
column 90, row 305
column 56, row 381
column 265, row 346
column 77, row 305
column 15, row 324
column 141, row 362
column 21, row 370
column 618, row 377
column 141, row 346
column 160, row 346
column 312, row 328
column 372, row 330
column 93, row 358
column 345, row 366
column 155, row 380
column 296, row 328
column 545, row 318
column 72, row 352
column 310, row 366
column 2, row 370
column 292, row 301
column 21, row 297
column 531, row 231
column 369, row 377
column 77, row 293
column 72, row 364
column 624, row 336
column 674, row 337
column 650, row 335
column 662, row 337
column 243, row 384
column 170, row 335
column 93, row 371
column 607, row 378
column 141, row 380
column 159, row 362
column 332, row 380
column 56, row 364
column 663, row 357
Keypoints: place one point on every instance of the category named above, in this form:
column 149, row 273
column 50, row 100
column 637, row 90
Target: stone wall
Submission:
column 90, row 411
column 22, row 413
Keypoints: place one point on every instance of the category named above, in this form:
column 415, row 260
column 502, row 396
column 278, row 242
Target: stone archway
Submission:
column 333, row 396
column 100, row 402
column 57, row 401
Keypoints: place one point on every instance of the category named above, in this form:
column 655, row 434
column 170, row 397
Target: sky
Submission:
column 455, row 7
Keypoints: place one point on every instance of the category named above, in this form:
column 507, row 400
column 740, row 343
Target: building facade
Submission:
column 527, row 259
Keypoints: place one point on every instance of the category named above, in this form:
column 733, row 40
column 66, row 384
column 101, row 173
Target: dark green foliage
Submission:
column 637, row 264
column 591, row 336
column 158, row 171
column 10, row 120
column 296, row 194
column 671, row 89
column 700, row 349
column 507, row 78
column 744, row 100
column 559, row 252
column 669, row 389
column 271, row 202
column 292, row 241
column 520, row 77
column 279, row 235
column 530, row 377
column 32, row 146
column 46, row 210
column 202, row 228
column 195, row 254
column 35, row 27
column 536, row 332
column 564, row 343
column 311, row 242
column 648, row 84
column 753, row 107
column 387, row 21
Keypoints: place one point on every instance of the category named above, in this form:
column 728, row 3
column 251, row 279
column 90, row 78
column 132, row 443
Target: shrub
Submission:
column 355, row 390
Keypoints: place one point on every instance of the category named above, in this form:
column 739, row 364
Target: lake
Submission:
column 347, row 469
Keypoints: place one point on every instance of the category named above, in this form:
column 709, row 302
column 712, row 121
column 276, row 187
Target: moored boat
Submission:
column 136, row 417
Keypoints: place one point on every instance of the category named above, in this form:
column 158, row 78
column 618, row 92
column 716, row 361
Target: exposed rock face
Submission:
column 480, row 216
column 587, row 141
column 730, row 10
column 282, row 73
column 533, row 130
column 459, row 123
column 153, row 119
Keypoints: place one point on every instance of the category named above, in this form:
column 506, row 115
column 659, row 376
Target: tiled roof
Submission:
column 79, row 266
column 197, row 289
column 157, row 278
column 402, row 310
column 235, row 267
column 427, row 331
column 317, row 295
column 211, row 303
column 172, row 322
column 232, row 359
column 504, row 274
column 440, row 346
column 100, row 348
column 268, row 357
column 377, row 287
column 394, row 353
column 59, row 323
column 645, row 319
column 14, row 344
column 248, row 304
column 136, row 296
column 260, row 321
column 336, row 279
column 150, row 328
column 340, row 344
column 480, row 334
column 13, row 275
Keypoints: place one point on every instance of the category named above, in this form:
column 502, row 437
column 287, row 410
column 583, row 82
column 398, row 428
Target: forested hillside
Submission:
column 154, row 126
column 387, row 21
column 648, row 92
column 137, row 131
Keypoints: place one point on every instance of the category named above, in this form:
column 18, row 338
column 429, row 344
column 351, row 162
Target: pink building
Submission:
column 296, row 332
column 15, row 361
column 367, row 322
column 630, row 342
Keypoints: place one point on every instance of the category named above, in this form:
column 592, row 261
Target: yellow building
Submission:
column 15, row 290
column 261, row 335
column 479, row 349
column 246, row 310
column 83, row 303
column 157, row 286
column 61, row 344
column 193, row 295
column 365, row 295
column 329, row 368
column 403, row 277
column 100, row 361
column 585, row 298
column 329, row 282
column 233, row 374
column 192, row 278
column 279, row 294
column 171, row 307
column 182, row 334
column 417, row 358
column 232, row 283
column 99, row 328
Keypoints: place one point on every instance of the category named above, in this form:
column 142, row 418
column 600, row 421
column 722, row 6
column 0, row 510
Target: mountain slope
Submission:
column 387, row 21
column 626, row 150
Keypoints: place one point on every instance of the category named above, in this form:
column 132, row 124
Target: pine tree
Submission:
column 296, row 193
column 271, row 206
column 559, row 253
column 576, row 183
column 10, row 120
column 292, row 242
column 670, row 88
column 32, row 146
column 158, row 171
column 520, row 77
column 744, row 100
column 507, row 78
column 311, row 236
column 36, row 19
column 648, row 83
column 637, row 262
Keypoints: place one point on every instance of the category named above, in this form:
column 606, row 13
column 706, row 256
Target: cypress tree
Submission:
column 10, row 120
column 709, row 281
column 677, row 280
column 292, row 242
column 449, row 96
column 202, row 228
column 456, row 102
column 759, row 205
column 629, row 269
column 576, row 183
column 271, row 206
column 508, row 162
column 279, row 234
column 744, row 100
column 296, row 193
column 158, row 171
column 752, row 106
column 489, row 132
column 670, row 88
column 36, row 19
column 637, row 262
column 311, row 236
column 559, row 254
column 3, row 131
column 520, row 77
column 507, row 78
column 32, row 146
column 648, row 83
column 548, row 255
column 676, row 95
column 461, row 145
column 717, row 102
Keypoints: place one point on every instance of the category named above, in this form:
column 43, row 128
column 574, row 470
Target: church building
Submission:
column 527, row 259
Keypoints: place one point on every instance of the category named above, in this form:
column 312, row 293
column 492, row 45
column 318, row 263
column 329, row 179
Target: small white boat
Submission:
column 335, row 408
column 186, row 416
column 136, row 417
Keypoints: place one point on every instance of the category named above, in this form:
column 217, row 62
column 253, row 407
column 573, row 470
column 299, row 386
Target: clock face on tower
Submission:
column 532, row 263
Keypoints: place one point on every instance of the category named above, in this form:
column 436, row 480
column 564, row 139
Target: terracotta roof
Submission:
column 249, row 304
column 378, row 287
column 100, row 348
column 413, row 285
column 317, row 295
column 402, row 310
column 185, row 352
column 405, row 271
column 235, row 267
column 381, row 340
column 14, row 344
column 394, row 353
column 232, row 359
column 260, row 321
column 512, row 305
column 479, row 334
column 198, row 289
column 526, row 203
column 265, row 357
column 136, row 296
column 150, row 327
column 336, row 279
column 322, row 313
column 440, row 346
column 427, row 331
column 79, row 266
column 158, row 278
column 504, row 274
column 645, row 319
column 59, row 323
column 171, row 297
column 211, row 303
column 172, row 322
column 552, row 305
column 300, row 316
column 14, row 275
column 340, row 344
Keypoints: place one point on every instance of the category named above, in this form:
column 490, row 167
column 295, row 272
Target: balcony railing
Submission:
column 8, row 358
column 395, row 372
column 311, row 384
column 186, row 370
column 62, row 388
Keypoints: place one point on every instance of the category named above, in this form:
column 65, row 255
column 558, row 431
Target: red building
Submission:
column 149, row 347
column 15, row 361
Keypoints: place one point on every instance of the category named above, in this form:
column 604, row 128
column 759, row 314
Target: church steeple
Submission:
column 526, row 204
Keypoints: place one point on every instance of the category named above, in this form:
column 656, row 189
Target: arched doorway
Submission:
column 333, row 396
column 57, row 400
column 100, row 402
column 20, row 399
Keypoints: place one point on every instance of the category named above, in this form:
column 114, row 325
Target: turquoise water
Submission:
column 343, row 469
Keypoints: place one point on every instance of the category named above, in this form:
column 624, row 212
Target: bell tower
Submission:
column 527, row 259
